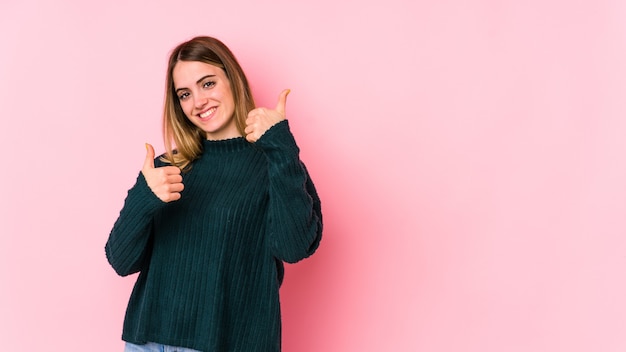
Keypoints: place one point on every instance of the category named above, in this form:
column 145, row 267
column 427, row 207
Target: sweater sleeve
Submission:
column 295, row 211
column 128, row 245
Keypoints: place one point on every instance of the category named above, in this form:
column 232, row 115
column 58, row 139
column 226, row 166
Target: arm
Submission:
column 128, row 245
column 295, row 215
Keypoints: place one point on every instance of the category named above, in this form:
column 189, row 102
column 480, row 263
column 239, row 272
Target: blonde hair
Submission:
column 182, row 139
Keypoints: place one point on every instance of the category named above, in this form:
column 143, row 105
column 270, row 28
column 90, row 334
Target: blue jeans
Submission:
column 155, row 347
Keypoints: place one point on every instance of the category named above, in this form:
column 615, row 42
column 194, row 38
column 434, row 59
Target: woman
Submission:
column 209, row 224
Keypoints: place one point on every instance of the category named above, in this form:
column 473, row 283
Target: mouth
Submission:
column 207, row 114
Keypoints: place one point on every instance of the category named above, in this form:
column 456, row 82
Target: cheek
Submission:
column 218, row 95
column 227, row 98
column 186, row 106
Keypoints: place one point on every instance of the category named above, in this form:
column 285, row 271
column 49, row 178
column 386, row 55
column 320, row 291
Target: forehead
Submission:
column 186, row 73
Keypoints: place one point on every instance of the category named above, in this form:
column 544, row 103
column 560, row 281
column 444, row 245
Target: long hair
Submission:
column 182, row 139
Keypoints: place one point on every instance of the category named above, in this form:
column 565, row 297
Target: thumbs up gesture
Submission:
column 261, row 119
column 165, row 182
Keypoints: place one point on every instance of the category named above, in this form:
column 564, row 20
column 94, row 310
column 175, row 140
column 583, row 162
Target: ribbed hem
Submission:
column 225, row 145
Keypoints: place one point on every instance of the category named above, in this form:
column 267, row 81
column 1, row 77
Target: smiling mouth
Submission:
column 207, row 113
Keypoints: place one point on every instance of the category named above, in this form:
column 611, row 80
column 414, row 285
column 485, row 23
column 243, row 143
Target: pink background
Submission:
column 471, row 159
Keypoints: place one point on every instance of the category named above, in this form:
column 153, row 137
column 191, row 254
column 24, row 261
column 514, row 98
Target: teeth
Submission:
column 207, row 113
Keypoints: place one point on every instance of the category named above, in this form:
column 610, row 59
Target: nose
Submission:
column 200, row 101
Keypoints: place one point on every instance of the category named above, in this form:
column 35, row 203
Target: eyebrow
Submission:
column 197, row 82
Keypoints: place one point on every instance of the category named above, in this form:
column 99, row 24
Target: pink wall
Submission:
column 471, row 160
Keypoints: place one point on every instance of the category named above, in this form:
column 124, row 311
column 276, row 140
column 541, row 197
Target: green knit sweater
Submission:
column 211, row 263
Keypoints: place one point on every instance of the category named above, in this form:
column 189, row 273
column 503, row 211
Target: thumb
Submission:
column 149, row 162
column 282, row 101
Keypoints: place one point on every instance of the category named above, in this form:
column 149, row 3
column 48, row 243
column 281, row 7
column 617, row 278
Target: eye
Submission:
column 183, row 96
column 208, row 84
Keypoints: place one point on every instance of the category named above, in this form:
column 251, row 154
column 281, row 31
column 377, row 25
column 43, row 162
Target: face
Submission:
column 205, row 96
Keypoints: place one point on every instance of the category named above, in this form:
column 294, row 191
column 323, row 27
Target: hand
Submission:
column 165, row 182
column 261, row 119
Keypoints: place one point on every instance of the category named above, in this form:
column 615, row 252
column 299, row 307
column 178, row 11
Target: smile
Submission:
column 207, row 113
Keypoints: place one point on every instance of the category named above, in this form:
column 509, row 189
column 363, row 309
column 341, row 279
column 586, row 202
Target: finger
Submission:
column 256, row 113
column 173, row 197
column 174, row 179
column 176, row 188
column 169, row 197
column 252, row 117
column 282, row 101
column 149, row 162
column 170, row 170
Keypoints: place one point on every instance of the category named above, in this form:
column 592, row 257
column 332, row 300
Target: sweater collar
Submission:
column 225, row 145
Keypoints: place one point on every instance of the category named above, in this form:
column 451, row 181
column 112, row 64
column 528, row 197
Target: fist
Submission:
column 261, row 119
column 165, row 182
